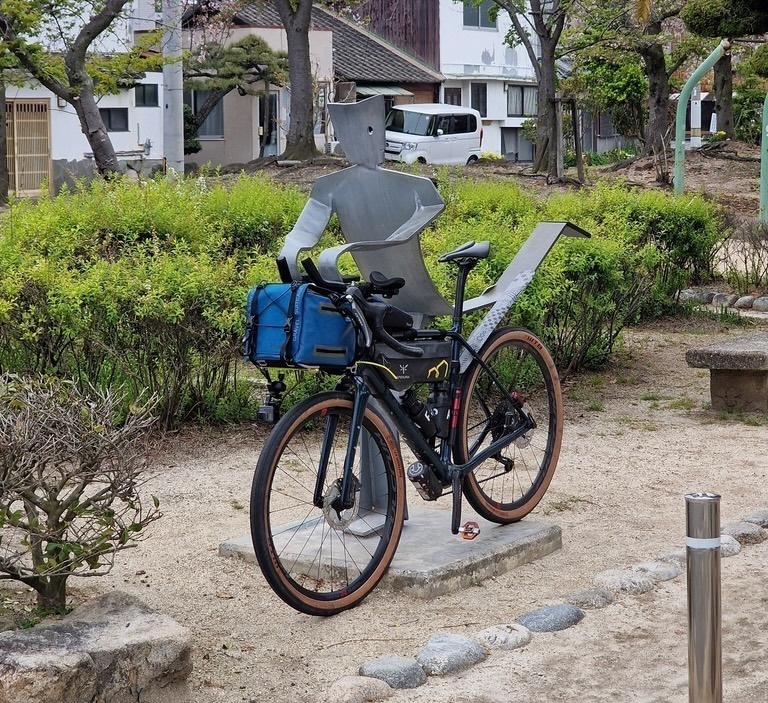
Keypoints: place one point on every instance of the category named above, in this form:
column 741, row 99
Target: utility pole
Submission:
column 173, row 87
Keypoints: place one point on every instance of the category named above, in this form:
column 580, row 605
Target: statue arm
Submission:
column 306, row 232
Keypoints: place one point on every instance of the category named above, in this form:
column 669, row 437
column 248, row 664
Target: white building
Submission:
column 45, row 140
column 484, row 73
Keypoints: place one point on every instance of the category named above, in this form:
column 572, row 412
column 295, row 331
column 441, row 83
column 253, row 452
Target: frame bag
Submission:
column 291, row 324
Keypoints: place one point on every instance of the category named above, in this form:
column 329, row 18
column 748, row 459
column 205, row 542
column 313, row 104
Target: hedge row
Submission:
column 142, row 287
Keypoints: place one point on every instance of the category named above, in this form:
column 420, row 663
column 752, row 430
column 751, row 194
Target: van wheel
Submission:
column 472, row 159
column 421, row 160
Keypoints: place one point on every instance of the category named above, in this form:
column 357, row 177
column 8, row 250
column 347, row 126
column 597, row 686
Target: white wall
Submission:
column 67, row 139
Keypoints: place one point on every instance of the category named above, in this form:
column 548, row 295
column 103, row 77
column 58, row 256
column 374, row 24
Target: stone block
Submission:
column 738, row 372
column 113, row 649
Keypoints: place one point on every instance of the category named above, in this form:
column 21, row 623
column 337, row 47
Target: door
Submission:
column 29, row 145
column 441, row 145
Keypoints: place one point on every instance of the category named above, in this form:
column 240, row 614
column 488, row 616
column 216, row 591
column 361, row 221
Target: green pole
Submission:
column 682, row 106
column 764, row 166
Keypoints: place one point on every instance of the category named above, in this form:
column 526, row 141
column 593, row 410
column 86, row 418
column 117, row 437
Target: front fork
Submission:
column 347, row 498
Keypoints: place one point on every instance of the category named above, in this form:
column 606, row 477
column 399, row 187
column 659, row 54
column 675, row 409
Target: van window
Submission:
column 409, row 123
column 462, row 124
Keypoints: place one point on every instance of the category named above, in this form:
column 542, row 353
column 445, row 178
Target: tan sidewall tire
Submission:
column 471, row 488
column 330, row 607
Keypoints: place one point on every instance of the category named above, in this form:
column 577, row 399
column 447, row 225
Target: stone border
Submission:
column 724, row 300
column 447, row 653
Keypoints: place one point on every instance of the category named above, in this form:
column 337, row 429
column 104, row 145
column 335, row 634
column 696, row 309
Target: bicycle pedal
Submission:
column 469, row 530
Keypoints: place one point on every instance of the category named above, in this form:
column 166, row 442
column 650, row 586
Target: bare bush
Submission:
column 744, row 255
column 70, row 475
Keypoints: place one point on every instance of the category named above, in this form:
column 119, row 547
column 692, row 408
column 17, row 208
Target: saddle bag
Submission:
column 291, row 324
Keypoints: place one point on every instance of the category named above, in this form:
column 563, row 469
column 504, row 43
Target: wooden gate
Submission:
column 29, row 145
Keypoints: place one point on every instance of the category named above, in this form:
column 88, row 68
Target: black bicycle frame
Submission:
column 367, row 383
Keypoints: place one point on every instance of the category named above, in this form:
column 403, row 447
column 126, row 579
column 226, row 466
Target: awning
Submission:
column 382, row 90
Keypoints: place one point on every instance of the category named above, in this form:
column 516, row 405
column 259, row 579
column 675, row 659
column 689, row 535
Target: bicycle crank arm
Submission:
column 457, row 482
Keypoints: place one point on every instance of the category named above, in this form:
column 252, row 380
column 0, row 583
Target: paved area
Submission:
column 431, row 561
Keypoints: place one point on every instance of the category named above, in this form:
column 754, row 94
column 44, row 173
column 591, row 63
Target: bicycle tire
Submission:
column 509, row 485
column 294, row 540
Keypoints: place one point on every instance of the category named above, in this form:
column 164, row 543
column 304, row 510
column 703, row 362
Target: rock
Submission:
column 729, row 546
column 398, row 672
column 7, row 623
column 744, row 532
column 676, row 556
column 689, row 295
column 745, row 302
column 624, row 581
column 759, row 517
column 591, row 598
column 659, row 571
column 359, row 689
column 760, row 304
column 447, row 653
column 511, row 636
column 112, row 648
column 552, row 618
column 724, row 300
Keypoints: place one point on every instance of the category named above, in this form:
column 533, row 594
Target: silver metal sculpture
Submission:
column 381, row 213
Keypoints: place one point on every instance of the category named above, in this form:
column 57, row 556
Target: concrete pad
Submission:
column 431, row 561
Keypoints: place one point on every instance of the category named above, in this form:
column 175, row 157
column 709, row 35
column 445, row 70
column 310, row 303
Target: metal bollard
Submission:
column 702, row 518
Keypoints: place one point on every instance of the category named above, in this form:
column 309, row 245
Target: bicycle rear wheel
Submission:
column 317, row 556
column 508, row 485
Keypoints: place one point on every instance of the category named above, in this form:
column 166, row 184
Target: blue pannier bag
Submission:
column 291, row 324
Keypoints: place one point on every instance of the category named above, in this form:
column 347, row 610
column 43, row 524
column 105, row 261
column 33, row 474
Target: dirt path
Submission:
column 638, row 438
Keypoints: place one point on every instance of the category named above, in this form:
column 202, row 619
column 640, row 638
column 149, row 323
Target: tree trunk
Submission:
column 91, row 123
column 51, row 592
column 658, row 99
column 3, row 149
column 546, row 125
column 300, row 143
column 724, row 96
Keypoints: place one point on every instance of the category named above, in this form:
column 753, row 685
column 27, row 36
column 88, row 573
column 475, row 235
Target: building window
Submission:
column 479, row 15
column 479, row 93
column 115, row 118
column 214, row 123
column 452, row 96
column 146, row 95
column 522, row 101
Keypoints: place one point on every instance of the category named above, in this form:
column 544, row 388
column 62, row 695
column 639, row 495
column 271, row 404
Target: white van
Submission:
column 432, row 133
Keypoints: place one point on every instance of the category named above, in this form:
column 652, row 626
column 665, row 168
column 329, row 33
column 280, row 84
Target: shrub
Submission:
column 69, row 483
column 142, row 288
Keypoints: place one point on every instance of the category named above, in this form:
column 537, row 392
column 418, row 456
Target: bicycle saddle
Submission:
column 469, row 250
column 386, row 286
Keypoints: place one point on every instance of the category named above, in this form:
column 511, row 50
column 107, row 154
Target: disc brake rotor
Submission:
column 337, row 517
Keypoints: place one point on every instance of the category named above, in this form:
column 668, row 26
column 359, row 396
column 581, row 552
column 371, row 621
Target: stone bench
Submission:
column 738, row 372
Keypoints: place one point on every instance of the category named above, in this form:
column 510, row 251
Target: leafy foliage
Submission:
column 143, row 287
column 69, row 483
column 117, row 285
column 748, row 100
column 725, row 18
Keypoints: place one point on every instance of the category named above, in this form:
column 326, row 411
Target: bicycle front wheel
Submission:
column 508, row 485
column 317, row 555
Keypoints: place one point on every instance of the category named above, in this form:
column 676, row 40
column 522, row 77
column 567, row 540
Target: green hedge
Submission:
column 142, row 286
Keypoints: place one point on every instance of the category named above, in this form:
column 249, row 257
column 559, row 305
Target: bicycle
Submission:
column 330, row 477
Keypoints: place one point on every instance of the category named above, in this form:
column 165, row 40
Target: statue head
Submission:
column 359, row 128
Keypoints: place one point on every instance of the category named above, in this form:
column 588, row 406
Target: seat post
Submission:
column 465, row 265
